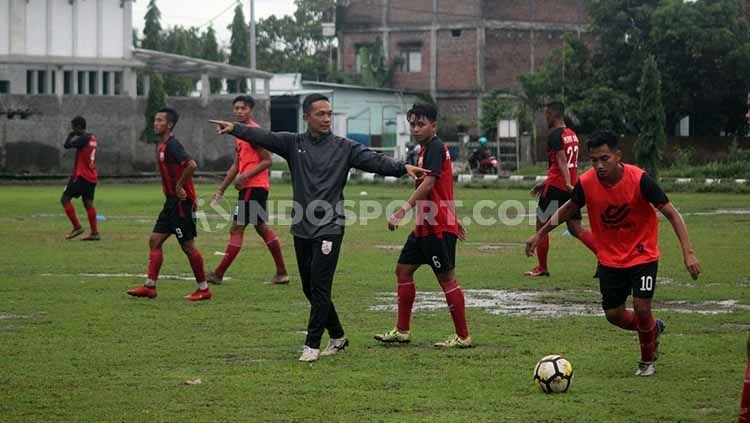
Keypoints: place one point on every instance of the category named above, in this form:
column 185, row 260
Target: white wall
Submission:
column 61, row 26
column 87, row 15
column 36, row 25
column 4, row 26
column 112, row 29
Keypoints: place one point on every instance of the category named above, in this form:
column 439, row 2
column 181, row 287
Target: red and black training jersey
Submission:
column 622, row 218
column 172, row 160
column 566, row 140
column 437, row 214
column 85, row 164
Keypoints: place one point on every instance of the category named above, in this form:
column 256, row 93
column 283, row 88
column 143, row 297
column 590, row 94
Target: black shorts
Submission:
column 80, row 188
column 616, row 284
column 438, row 252
column 252, row 207
column 177, row 217
column 552, row 199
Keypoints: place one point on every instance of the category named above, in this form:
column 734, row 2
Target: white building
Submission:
column 67, row 47
column 85, row 47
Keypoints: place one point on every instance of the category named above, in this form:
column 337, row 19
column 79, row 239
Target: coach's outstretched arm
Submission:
column 678, row 223
column 276, row 142
column 561, row 215
column 363, row 158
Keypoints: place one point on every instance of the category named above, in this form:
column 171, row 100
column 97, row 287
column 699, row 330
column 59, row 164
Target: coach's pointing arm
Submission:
column 275, row 142
column 363, row 158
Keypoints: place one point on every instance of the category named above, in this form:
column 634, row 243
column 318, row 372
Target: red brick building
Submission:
column 456, row 50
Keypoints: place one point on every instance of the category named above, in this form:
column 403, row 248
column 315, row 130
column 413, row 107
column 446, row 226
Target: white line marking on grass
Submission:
column 122, row 275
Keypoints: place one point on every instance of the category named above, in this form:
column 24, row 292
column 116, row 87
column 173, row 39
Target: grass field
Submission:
column 76, row 348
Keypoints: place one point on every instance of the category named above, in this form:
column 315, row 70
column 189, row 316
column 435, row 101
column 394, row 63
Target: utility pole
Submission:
column 251, row 29
column 252, row 35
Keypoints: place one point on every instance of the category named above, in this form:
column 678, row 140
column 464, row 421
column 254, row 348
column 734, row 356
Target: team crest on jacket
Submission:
column 161, row 156
column 326, row 247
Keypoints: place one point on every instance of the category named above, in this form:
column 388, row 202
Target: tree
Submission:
column 698, row 46
column 296, row 43
column 152, row 28
column 375, row 71
column 652, row 138
column 177, row 41
column 156, row 100
column 210, row 51
column 239, row 54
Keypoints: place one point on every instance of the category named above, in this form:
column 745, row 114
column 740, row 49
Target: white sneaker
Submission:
column 334, row 346
column 310, row 354
column 646, row 368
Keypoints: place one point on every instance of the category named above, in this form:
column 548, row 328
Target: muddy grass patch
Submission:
column 545, row 303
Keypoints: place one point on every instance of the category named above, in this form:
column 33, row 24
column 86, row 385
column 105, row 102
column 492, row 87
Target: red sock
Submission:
column 71, row 212
column 745, row 401
column 455, row 298
column 274, row 246
column 155, row 259
column 406, row 293
column 196, row 262
column 92, row 220
column 541, row 252
column 587, row 238
column 233, row 248
column 627, row 321
column 647, row 337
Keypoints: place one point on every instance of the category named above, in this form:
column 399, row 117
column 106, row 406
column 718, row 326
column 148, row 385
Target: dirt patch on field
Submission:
column 236, row 359
column 545, row 304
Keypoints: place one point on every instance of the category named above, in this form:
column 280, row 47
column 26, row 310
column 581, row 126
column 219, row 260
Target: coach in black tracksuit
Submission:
column 319, row 163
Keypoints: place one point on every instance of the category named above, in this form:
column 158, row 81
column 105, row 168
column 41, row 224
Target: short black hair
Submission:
column 310, row 99
column 247, row 99
column 78, row 122
column 172, row 115
column 425, row 110
column 602, row 137
column 557, row 108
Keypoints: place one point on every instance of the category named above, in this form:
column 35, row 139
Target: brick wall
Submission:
column 459, row 11
column 457, row 60
column 350, row 42
column 411, row 12
column 567, row 11
column 414, row 81
column 463, row 107
column 508, row 10
column 507, row 55
column 362, row 13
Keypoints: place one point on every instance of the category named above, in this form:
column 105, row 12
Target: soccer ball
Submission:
column 553, row 374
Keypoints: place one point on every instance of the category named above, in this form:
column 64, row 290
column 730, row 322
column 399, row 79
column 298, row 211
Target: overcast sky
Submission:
column 201, row 12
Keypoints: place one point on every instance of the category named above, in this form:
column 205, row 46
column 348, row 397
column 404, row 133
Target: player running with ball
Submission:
column 620, row 199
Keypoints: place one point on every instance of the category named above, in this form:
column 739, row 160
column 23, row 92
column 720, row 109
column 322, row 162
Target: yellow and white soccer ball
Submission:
column 553, row 374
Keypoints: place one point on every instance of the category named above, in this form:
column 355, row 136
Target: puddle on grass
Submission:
column 544, row 304
column 737, row 326
column 482, row 246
